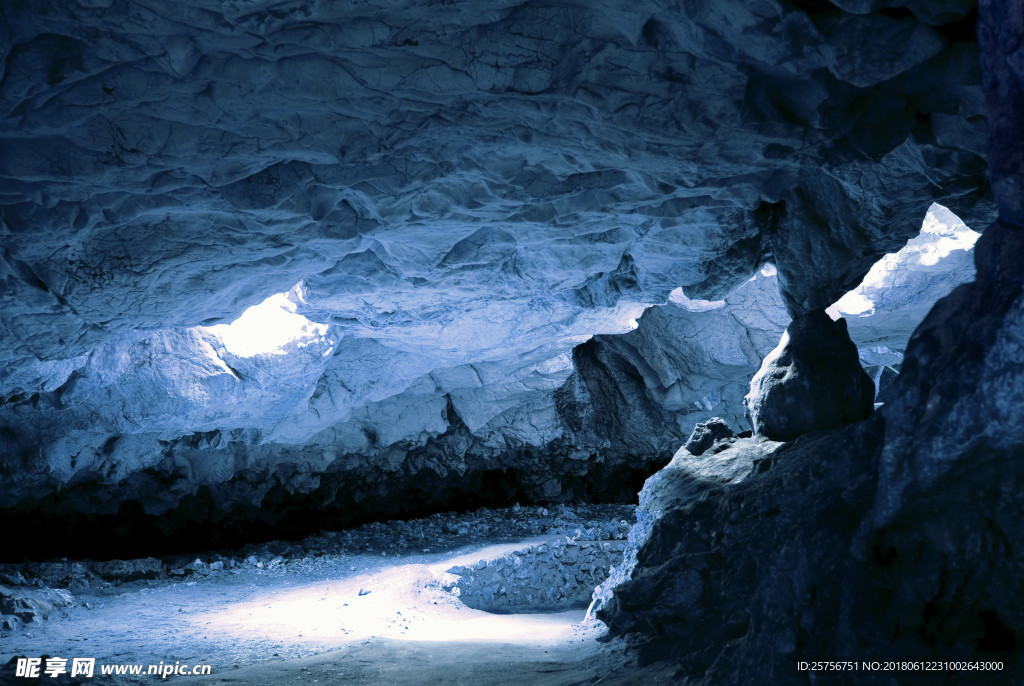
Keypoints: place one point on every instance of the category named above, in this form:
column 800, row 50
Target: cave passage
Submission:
column 375, row 341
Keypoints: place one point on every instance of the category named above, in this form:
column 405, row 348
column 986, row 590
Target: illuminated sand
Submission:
column 388, row 620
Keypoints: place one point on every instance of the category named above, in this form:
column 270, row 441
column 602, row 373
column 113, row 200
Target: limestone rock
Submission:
column 958, row 401
column 410, row 151
column 129, row 570
column 473, row 201
column 60, row 573
column 33, row 604
column 812, row 381
column 746, row 570
column 686, row 480
column 707, row 434
column 907, row 538
column 589, row 423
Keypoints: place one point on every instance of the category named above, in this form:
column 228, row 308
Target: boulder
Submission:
column 129, row 570
column 61, row 572
column 812, row 381
column 31, row 604
column 706, row 434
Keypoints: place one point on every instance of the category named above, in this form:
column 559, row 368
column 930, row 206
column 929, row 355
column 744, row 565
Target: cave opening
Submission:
column 271, row 327
column 598, row 343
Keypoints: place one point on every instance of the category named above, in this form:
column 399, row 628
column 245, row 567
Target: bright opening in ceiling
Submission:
column 272, row 327
column 942, row 233
column 953, row 235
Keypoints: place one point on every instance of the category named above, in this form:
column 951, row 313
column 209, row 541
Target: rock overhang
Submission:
column 175, row 165
column 466, row 196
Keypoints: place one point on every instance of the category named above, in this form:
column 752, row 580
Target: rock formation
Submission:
column 812, row 381
column 517, row 252
column 464, row 198
column 707, row 434
column 904, row 540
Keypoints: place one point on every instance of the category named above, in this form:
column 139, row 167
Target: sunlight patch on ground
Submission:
column 402, row 602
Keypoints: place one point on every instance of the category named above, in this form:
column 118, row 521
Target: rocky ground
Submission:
column 364, row 603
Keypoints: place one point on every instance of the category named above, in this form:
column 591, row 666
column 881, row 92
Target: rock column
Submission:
column 812, row 381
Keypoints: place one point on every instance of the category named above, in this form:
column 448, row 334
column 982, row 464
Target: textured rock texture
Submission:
column 629, row 401
column 290, row 430
column 730, row 548
column 473, row 201
column 706, row 434
column 421, row 149
column 900, row 535
column 477, row 206
column 963, row 390
column 23, row 605
column 558, row 575
column 686, row 480
column 813, row 381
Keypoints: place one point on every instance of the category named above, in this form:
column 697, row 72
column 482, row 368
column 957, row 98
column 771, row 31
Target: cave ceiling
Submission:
column 419, row 164
column 464, row 193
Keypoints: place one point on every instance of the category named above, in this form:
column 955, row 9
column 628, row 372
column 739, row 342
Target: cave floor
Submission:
column 364, row 618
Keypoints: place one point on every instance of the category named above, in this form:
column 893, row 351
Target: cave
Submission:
column 536, row 342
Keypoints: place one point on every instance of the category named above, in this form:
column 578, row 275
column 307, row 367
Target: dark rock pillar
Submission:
column 1001, row 39
column 909, row 540
column 812, row 381
column 940, row 553
column 959, row 397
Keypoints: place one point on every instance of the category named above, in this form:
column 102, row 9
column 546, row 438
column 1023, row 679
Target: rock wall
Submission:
column 896, row 536
column 329, row 428
column 381, row 148
column 465, row 198
column 591, row 427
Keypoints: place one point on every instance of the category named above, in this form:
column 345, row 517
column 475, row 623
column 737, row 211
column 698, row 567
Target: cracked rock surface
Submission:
column 318, row 423
column 473, row 203
column 897, row 535
column 812, row 381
